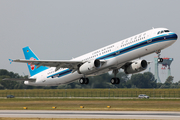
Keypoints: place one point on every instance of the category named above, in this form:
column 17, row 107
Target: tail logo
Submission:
column 31, row 65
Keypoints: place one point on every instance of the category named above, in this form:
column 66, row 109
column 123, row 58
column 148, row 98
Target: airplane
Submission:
column 124, row 54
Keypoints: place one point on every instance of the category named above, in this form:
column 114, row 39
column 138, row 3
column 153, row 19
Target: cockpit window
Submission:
column 163, row 31
column 166, row 30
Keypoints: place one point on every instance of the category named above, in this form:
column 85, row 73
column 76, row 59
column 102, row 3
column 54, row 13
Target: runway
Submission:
column 91, row 114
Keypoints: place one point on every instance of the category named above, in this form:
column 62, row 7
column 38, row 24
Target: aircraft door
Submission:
column 117, row 47
column 149, row 37
column 149, row 40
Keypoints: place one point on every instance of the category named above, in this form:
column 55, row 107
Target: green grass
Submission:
column 92, row 104
column 164, row 93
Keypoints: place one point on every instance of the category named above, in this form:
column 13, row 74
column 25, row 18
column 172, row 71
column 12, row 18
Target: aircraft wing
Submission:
column 20, row 79
column 54, row 63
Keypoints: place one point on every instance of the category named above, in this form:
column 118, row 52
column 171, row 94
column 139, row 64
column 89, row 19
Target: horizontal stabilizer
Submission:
column 20, row 79
column 10, row 60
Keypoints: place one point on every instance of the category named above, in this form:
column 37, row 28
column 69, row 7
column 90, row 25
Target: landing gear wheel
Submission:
column 113, row 80
column 117, row 80
column 160, row 59
column 81, row 81
column 86, row 80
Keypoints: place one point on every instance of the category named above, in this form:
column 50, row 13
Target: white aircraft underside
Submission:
column 122, row 54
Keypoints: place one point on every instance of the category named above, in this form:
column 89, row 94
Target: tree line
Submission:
column 139, row 80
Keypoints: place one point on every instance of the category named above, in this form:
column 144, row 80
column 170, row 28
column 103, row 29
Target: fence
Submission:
column 165, row 93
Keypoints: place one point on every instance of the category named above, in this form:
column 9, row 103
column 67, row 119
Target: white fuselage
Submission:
column 115, row 55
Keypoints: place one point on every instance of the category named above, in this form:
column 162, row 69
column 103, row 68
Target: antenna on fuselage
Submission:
column 152, row 27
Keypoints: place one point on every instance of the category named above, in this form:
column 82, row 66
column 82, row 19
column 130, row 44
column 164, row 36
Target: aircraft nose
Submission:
column 175, row 36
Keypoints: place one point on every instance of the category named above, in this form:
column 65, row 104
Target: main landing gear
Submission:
column 159, row 59
column 84, row 81
column 115, row 80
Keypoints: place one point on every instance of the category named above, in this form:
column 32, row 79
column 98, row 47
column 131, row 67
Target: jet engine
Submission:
column 89, row 66
column 136, row 67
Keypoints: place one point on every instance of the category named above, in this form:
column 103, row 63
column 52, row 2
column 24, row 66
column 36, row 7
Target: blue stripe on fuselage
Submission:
column 60, row 74
column 160, row 38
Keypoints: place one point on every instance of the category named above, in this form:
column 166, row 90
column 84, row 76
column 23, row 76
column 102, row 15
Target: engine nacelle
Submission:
column 136, row 67
column 89, row 66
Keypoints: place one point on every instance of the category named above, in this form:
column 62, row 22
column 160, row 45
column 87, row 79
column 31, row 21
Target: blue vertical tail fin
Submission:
column 29, row 55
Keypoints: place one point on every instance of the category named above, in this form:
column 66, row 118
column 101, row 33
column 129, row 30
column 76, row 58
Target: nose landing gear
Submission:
column 159, row 59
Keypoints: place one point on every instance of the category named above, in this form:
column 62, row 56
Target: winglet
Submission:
column 10, row 60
